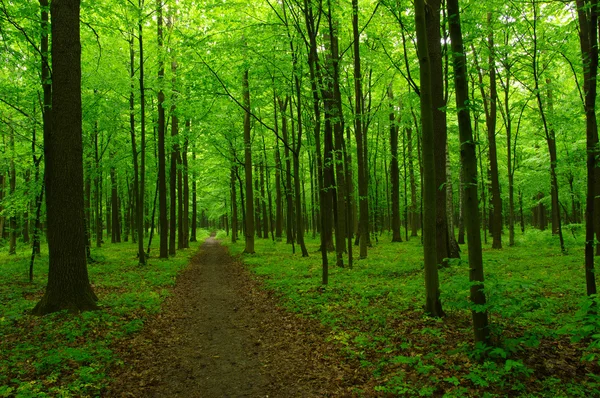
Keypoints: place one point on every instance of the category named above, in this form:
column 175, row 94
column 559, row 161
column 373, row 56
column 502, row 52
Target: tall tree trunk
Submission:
column 414, row 215
column 440, row 133
column 490, row 106
column 185, row 225
column 249, row 233
column 138, row 194
column 173, row 174
column 142, row 174
column 162, row 168
column 278, row 168
column 68, row 283
column 549, row 133
column 361, row 150
column 12, row 245
column 433, row 305
column 341, row 228
column 588, row 35
column 394, row 171
column 469, row 175
column 114, row 204
column 234, row 211
column 194, row 226
column 289, row 231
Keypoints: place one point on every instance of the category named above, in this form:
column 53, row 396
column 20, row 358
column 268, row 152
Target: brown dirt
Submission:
column 221, row 334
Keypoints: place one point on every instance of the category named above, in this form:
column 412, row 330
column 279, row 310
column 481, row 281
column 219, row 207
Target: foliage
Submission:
column 66, row 355
column 375, row 315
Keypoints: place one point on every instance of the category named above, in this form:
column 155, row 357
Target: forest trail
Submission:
column 222, row 335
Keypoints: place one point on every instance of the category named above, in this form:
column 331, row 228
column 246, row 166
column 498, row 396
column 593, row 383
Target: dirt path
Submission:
column 222, row 335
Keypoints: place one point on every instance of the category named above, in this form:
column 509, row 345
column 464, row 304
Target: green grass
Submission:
column 65, row 355
column 375, row 312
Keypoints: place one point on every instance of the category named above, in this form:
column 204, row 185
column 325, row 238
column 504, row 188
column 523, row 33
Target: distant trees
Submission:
column 336, row 142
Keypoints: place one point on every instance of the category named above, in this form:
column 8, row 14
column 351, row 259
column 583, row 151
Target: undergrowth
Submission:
column 69, row 355
column 545, row 343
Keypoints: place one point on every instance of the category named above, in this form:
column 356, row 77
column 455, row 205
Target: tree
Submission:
column 469, row 175
column 433, row 305
column 587, row 12
column 68, row 283
column 248, row 168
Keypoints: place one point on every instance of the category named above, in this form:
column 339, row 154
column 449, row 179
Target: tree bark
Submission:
column 68, row 283
column 361, row 147
column 249, row 233
column 162, row 168
column 588, row 35
column 469, row 176
column 394, row 171
column 433, row 305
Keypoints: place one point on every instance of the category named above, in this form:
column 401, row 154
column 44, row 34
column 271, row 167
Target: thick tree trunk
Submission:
column 440, row 133
column 469, row 176
column 433, row 305
column 68, row 283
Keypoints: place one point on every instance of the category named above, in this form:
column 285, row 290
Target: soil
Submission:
column 221, row 334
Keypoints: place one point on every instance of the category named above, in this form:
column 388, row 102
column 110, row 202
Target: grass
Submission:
column 65, row 355
column 543, row 343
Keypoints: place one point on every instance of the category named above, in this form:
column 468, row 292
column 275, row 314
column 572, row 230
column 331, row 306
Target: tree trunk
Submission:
column 394, row 171
column 414, row 215
column 234, row 211
column 588, row 35
column 440, row 133
column 490, row 106
column 68, row 283
column 249, row 233
column 361, row 149
column 185, row 225
column 162, row 168
column 469, row 176
column 433, row 305
column 12, row 245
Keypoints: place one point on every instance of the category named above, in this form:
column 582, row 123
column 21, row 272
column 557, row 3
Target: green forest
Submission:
column 299, row 198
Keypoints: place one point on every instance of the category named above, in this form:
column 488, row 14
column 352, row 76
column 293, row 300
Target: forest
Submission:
column 302, row 198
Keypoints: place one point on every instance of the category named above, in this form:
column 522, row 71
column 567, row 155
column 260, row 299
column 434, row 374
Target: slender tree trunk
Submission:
column 12, row 245
column 185, row 225
column 278, row 168
column 194, row 227
column 137, row 193
column 394, row 172
column 490, row 106
column 469, row 176
column 249, row 233
column 361, row 150
column 162, row 169
column 234, row 211
column 414, row 215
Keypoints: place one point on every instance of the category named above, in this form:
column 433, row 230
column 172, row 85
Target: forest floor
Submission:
column 221, row 334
